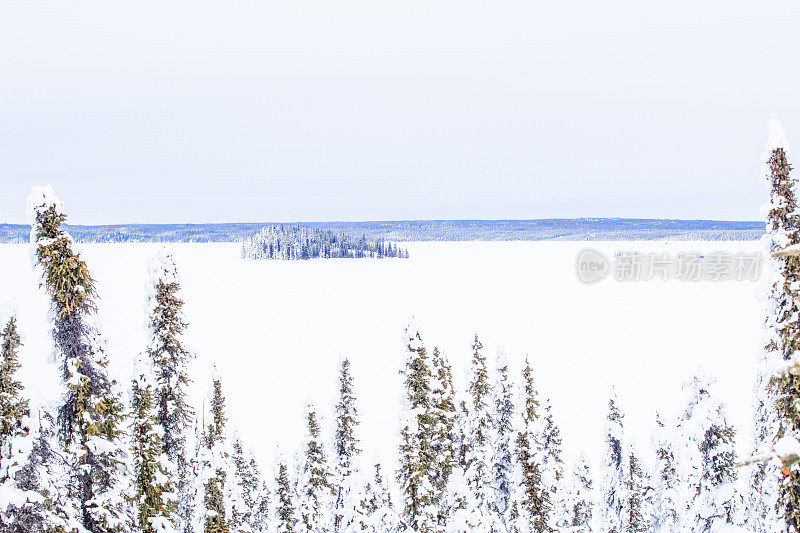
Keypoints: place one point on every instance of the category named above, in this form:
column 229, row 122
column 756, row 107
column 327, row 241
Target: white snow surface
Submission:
column 277, row 331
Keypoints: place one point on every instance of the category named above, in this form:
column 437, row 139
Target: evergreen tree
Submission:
column 531, row 508
column 636, row 509
column 415, row 471
column 91, row 416
column 314, row 484
column 376, row 511
column 442, row 438
column 152, row 496
column 552, row 466
column 285, row 517
column 215, row 465
column 503, row 458
column 346, row 452
column 479, row 512
column 249, row 509
column 612, row 481
column 667, row 510
column 777, row 414
column 28, row 469
column 580, row 501
column 709, row 458
column 13, row 407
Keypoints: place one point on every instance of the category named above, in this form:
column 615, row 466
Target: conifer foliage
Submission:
column 314, row 487
column 91, row 416
column 346, row 450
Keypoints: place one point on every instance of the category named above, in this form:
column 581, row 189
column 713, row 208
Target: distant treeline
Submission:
column 554, row 229
column 297, row 242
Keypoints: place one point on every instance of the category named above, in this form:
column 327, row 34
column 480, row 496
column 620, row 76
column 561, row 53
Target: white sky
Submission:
column 366, row 109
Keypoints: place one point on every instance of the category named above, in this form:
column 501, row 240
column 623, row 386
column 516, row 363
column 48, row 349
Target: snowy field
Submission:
column 278, row 330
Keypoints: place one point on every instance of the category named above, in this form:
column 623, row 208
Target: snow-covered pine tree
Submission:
column 665, row 478
column 346, row 452
column 777, row 414
column 709, row 458
column 552, row 466
column 375, row 510
column 443, row 415
column 531, row 505
column 479, row 512
column 580, row 501
column 415, row 469
column 169, row 356
column 28, row 468
column 285, row 513
column 612, row 491
column 314, row 487
column 215, row 468
column 91, row 417
column 636, row 510
column 153, row 493
column 503, row 446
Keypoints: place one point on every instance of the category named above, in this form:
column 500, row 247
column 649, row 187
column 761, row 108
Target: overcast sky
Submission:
column 284, row 110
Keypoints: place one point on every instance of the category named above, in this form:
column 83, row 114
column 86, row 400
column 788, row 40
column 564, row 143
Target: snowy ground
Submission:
column 277, row 330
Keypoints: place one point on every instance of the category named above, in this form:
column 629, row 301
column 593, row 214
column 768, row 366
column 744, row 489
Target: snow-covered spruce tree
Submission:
column 285, row 513
column 375, row 510
column 552, row 466
column 443, row 415
column 314, row 488
column 249, row 512
column 709, row 458
column 415, row 469
column 215, row 468
column 531, row 504
column 503, row 446
column 580, row 501
column 637, row 510
column 91, row 416
column 28, row 468
column 346, row 452
column 152, row 493
column 777, row 414
column 479, row 512
column 612, row 491
column 665, row 478
column 169, row 356
column 13, row 407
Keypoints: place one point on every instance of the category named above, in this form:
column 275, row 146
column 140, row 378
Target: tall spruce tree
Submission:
column 665, row 478
column 479, row 512
column 346, row 450
column 612, row 481
column 28, row 467
column 169, row 356
column 777, row 413
column 552, row 466
column 531, row 506
column 215, row 476
column 442, row 438
column 636, row 512
column 709, row 459
column 153, row 495
column 91, row 416
column 249, row 513
column 415, row 470
column 285, row 513
column 314, row 487
column 580, row 497
column 503, row 446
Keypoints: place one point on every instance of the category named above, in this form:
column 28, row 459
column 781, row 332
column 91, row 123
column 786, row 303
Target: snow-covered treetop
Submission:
column 41, row 198
column 162, row 267
column 413, row 334
column 776, row 138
